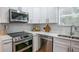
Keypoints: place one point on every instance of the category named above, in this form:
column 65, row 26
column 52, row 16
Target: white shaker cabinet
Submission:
column 4, row 15
column 43, row 15
column 36, row 15
column 5, row 43
column 61, row 45
column 65, row 45
column 75, row 49
column 52, row 14
column 75, row 46
column 7, row 46
column 49, row 15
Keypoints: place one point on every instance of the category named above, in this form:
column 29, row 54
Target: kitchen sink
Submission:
column 64, row 36
column 68, row 36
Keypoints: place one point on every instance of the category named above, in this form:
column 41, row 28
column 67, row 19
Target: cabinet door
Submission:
column 61, row 45
column 52, row 14
column 4, row 15
column 43, row 15
column 75, row 46
column 75, row 49
column 36, row 15
column 7, row 46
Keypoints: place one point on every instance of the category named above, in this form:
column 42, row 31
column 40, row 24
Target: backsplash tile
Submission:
column 18, row 27
column 60, row 29
column 54, row 28
column 57, row 29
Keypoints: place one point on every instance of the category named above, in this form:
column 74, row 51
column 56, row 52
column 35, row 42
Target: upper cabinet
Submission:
column 49, row 15
column 36, row 15
column 52, row 14
column 4, row 15
column 69, row 16
column 42, row 14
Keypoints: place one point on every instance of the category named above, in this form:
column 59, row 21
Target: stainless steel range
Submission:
column 22, row 41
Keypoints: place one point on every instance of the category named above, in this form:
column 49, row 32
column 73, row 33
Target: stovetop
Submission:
column 19, row 36
column 16, row 34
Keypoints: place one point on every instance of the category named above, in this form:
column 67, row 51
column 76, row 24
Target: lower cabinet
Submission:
column 6, row 45
column 75, row 49
column 65, row 45
column 75, row 46
column 59, row 47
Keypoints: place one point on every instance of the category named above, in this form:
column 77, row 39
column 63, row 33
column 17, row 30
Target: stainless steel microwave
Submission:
column 18, row 16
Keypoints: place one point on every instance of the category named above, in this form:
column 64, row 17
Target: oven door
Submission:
column 23, row 46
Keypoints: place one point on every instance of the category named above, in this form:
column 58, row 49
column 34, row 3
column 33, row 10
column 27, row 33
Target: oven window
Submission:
column 23, row 45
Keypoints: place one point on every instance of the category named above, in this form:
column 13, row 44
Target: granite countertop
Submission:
column 44, row 33
column 40, row 33
column 52, row 34
column 5, row 37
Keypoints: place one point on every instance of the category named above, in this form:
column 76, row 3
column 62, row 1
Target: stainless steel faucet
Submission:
column 71, row 29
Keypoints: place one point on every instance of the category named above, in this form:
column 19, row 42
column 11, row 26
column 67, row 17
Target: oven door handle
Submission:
column 21, row 41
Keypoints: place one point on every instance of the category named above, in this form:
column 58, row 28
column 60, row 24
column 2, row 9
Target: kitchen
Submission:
column 39, row 29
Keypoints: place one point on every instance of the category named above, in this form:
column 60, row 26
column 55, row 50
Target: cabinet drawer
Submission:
column 64, row 41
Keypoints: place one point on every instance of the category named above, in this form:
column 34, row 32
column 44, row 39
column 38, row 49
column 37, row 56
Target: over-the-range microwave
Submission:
column 18, row 16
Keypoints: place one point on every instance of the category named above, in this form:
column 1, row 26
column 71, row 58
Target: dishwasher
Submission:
column 46, row 43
